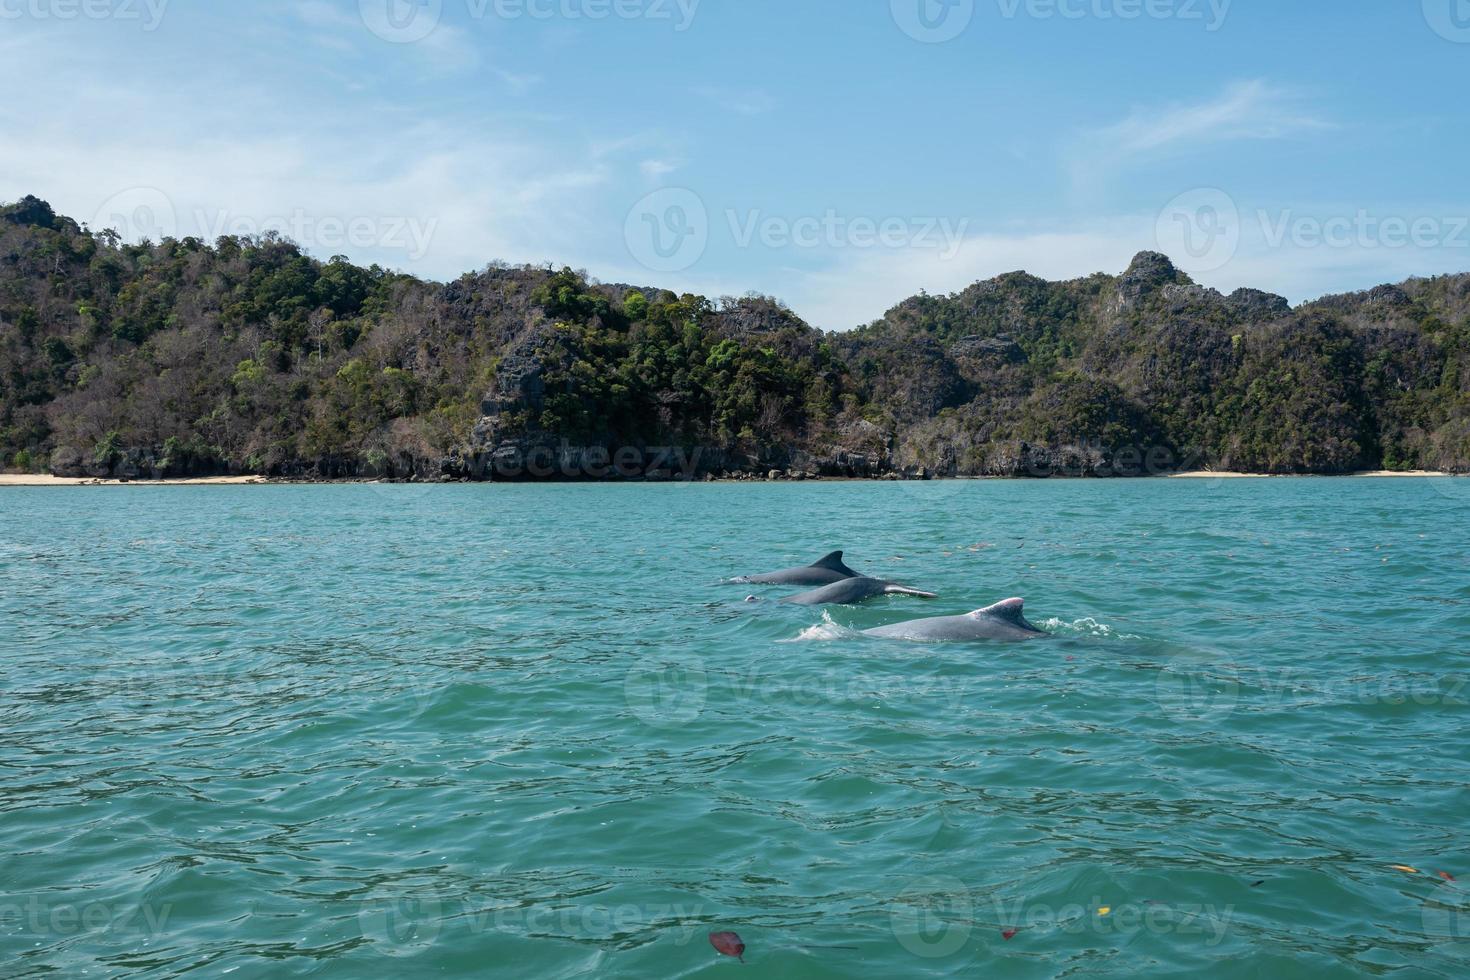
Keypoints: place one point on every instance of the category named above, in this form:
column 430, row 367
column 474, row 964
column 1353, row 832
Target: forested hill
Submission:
column 248, row 356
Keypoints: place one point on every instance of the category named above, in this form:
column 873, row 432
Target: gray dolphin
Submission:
column 1002, row 621
column 824, row 572
column 851, row 591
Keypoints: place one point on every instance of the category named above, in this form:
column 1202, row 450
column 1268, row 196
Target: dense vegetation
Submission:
column 245, row 355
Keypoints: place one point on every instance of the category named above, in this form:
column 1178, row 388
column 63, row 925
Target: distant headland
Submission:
column 244, row 357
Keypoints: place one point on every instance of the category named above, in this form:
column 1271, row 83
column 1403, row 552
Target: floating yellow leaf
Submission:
column 1405, row 869
column 1105, row 910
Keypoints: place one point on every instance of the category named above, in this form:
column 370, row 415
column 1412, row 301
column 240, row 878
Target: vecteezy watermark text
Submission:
column 834, row 230
column 937, row 21
column 1204, row 229
column 668, row 691
column 936, row 916
column 409, row 21
column 669, row 230
column 148, row 214
column 147, row 13
column 410, row 235
column 1199, row 690
column 35, row 916
column 1211, row 13
column 408, row 924
column 568, row 462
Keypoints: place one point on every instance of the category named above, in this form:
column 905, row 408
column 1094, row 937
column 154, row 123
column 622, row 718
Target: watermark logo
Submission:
column 666, row 693
column 1452, row 488
column 138, row 214
column 1450, row 19
column 933, row 21
column 1190, row 690
column 933, row 917
column 1199, row 230
column 401, row 925
column 1446, row 916
column 148, row 13
column 668, row 230
column 401, row 21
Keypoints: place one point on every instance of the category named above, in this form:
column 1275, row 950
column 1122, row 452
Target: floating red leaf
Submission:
column 1447, row 876
column 729, row 944
column 1008, row 935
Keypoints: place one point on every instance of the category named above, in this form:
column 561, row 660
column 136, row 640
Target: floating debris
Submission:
column 1446, row 876
column 1404, row 868
column 728, row 944
column 1008, row 934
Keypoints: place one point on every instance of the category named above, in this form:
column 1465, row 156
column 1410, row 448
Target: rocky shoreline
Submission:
column 44, row 480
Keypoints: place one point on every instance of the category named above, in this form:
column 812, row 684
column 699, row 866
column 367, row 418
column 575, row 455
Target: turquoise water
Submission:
column 353, row 731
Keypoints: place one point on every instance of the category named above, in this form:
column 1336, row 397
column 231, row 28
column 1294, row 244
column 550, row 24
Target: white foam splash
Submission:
column 1086, row 626
column 825, row 631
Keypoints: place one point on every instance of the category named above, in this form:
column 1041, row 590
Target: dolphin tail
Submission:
column 905, row 590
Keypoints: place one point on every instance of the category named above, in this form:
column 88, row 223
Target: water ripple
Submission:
column 402, row 730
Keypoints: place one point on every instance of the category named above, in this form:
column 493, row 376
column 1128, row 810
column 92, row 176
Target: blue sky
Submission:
column 838, row 154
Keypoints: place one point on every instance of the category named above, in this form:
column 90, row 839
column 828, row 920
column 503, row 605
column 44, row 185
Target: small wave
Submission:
column 825, row 631
column 1086, row 626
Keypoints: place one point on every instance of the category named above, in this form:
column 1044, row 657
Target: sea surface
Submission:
column 349, row 731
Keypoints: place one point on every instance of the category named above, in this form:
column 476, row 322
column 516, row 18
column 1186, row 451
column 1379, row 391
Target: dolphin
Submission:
column 851, row 591
column 1002, row 621
column 824, row 572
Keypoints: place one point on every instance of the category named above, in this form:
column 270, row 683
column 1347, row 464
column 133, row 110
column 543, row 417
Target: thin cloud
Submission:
column 519, row 84
column 657, row 169
column 484, row 194
column 445, row 49
column 1252, row 110
column 742, row 102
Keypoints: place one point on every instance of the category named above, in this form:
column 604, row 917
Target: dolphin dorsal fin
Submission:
column 1011, row 609
column 832, row 562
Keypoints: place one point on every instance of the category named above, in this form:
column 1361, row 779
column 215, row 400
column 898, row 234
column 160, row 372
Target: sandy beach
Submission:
column 42, row 480
column 1223, row 475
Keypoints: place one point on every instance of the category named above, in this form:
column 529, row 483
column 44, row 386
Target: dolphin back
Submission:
column 824, row 572
column 851, row 591
column 1002, row 621
column 890, row 589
